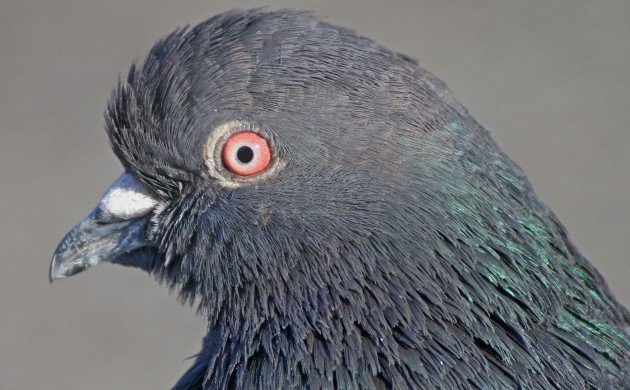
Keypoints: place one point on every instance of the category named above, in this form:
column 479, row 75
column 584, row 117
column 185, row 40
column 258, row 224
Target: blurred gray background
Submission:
column 549, row 79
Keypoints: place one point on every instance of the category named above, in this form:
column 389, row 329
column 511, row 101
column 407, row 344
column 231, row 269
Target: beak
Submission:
column 115, row 227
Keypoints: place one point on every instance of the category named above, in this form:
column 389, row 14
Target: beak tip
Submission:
column 53, row 272
column 54, row 276
column 60, row 269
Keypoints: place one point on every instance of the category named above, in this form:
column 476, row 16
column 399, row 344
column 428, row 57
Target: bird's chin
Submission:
column 115, row 230
column 145, row 258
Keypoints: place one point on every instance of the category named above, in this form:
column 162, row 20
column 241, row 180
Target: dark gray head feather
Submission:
column 396, row 247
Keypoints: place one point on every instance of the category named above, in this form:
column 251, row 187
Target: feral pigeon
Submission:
column 341, row 220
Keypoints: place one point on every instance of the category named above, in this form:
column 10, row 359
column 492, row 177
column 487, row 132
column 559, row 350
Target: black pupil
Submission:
column 245, row 154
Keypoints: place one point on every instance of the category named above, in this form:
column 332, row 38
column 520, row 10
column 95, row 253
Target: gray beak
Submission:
column 115, row 227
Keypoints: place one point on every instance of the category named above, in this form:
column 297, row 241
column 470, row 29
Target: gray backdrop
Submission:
column 550, row 80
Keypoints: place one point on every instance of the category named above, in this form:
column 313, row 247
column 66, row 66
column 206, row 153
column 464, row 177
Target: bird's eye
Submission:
column 246, row 153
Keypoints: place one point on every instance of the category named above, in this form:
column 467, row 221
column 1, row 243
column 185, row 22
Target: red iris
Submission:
column 246, row 153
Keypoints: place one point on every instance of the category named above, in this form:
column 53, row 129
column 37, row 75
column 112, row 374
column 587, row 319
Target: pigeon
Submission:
column 340, row 220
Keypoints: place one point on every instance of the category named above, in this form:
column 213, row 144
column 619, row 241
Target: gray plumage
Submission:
column 394, row 245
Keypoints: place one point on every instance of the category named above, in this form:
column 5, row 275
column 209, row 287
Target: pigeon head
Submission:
column 333, row 112
column 337, row 213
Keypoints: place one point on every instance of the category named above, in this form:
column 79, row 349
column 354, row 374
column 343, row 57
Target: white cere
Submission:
column 127, row 198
